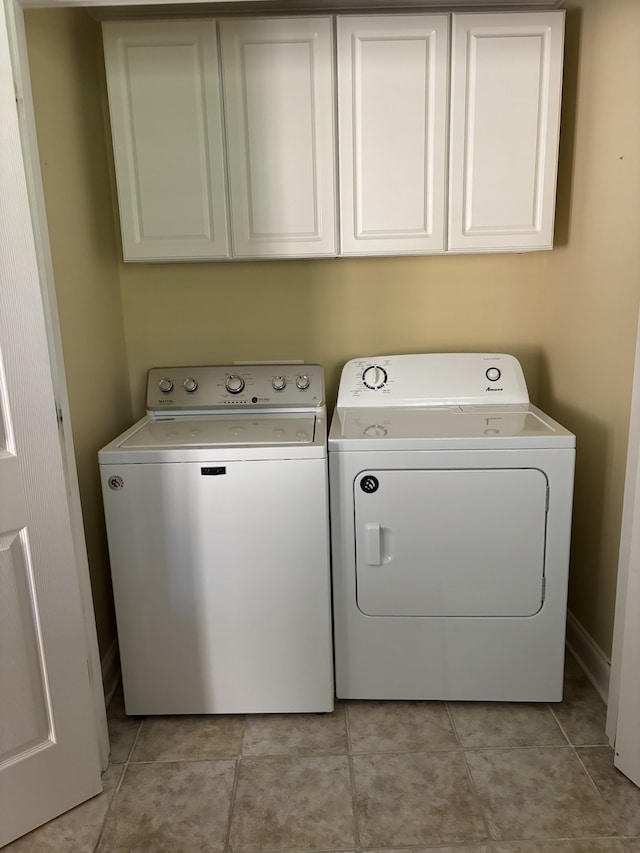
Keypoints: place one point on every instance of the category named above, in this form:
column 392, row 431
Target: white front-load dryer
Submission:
column 451, row 499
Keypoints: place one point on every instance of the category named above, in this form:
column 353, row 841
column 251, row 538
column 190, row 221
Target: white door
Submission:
column 49, row 759
column 278, row 89
column 623, row 706
column 392, row 127
column 506, row 83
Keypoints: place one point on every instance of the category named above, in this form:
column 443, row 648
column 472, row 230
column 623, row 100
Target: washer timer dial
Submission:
column 374, row 377
column 234, row 383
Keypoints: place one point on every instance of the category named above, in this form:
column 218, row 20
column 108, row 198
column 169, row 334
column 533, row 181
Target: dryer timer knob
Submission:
column 374, row 377
column 165, row 385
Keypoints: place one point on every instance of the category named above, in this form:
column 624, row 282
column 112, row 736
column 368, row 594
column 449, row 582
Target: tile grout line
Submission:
column 472, row 783
column 234, row 787
column 125, row 767
column 352, row 777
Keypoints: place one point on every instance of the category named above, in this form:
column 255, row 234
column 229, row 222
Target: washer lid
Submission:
column 456, row 427
column 221, row 431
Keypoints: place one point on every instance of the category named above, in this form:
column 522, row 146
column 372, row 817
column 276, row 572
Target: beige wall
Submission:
column 329, row 311
column 569, row 315
column 591, row 287
column 65, row 66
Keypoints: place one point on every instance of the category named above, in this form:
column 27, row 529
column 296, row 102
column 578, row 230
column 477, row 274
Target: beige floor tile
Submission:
column 632, row 845
column 415, row 799
column 296, row 734
column 184, row 738
column 621, row 795
column 485, row 724
column 399, row 726
column 587, row 845
column 582, row 713
column 293, row 803
column 76, row 831
column 178, row 807
column 122, row 729
column 537, row 793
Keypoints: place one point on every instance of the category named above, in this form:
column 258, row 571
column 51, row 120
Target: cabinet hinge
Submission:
column 59, row 414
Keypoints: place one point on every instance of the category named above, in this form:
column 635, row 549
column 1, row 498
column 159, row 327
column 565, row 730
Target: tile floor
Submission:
column 380, row 776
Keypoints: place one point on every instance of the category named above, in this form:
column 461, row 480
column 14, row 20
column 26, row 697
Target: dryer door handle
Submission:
column 373, row 543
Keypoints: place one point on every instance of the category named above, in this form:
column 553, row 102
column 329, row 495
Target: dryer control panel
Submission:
column 433, row 379
column 215, row 388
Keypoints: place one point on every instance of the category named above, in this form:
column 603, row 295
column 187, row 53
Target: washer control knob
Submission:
column 374, row 377
column 190, row 385
column 234, row 383
column 279, row 383
column 303, row 382
column 165, row 385
column 493, row 374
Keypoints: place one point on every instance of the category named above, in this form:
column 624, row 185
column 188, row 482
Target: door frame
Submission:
column 26, row 119
column 623, row 707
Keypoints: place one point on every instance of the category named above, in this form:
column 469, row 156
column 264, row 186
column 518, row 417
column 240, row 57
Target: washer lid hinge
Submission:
column 544, row 587
column 546, row 505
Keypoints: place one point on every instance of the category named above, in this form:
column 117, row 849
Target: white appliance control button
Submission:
column 374, row 376
column 303, row 382
column 493, row 374
column 279, row 383
column 190, row 385
column 165, row 385
column 234, row 384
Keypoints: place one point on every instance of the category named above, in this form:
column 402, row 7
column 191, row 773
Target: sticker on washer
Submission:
column 116, row 483
column 369, row 484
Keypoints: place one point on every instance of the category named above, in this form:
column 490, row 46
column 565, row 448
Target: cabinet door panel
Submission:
column 164, row 98
column 505, row 120
column 278, row 87
column 392, row 89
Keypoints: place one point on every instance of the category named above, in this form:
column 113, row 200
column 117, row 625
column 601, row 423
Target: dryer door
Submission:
column 450, row 542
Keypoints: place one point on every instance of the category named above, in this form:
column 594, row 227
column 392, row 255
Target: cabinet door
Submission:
column 505, row 119
column 392, row 120
column 164, row 99
column 278, row 89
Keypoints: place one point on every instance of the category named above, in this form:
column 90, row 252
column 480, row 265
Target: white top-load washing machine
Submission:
column 451, row 500
column 216, row 507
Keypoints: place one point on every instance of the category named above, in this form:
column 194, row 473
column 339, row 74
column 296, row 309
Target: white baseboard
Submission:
column 589, row 655
column 110, row 665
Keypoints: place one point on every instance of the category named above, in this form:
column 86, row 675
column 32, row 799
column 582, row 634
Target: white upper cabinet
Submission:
column 392, row 119
column 278, row 91
column 440, row 129
column 166, row 120
column 506, row 82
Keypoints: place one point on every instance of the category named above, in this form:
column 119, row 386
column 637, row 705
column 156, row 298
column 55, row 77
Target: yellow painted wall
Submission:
column 65, row 66
column 570, row 314
column 329, row 311
column 590, row 288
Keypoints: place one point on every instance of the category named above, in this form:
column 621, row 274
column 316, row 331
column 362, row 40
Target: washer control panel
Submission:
column 237, row 386
column 433, row 379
